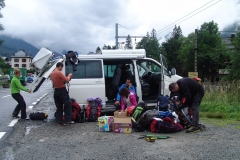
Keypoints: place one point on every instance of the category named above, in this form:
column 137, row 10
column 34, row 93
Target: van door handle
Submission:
column 98, row 81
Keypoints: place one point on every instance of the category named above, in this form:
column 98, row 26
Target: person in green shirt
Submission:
column 16, row 86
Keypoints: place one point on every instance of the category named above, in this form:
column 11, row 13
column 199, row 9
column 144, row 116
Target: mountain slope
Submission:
column 12, row 45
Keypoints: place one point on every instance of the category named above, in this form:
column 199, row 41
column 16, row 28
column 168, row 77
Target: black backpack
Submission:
column 38, row 116
column 93, row 111
column 145, row 120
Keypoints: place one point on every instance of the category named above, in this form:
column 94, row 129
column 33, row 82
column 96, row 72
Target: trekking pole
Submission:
column 185, row 116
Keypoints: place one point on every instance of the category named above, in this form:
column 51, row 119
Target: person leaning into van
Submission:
column 129, row 85
column 128, row 98
column 16, row 86
column 61, row 96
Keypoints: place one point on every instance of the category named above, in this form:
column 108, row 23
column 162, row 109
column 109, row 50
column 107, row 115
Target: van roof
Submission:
column 117, row 54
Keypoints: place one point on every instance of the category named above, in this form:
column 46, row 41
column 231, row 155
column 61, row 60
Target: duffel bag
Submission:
column 38, row 116
column 165, row 125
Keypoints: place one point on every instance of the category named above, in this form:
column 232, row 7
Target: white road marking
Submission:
column 6, row 96
column 34, row 103
column 2, row 134
column 13, row 122
column 30, row 107
column 38, row 100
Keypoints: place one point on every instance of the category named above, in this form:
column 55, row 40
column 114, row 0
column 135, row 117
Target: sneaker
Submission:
column 193, row 129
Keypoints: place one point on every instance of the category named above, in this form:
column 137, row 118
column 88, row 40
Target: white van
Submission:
column 101, row 75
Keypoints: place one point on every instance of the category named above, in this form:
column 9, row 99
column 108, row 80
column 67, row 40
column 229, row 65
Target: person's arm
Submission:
column 132, row 88
column 122, row 104
column 118, row 98
column 133, row 99
column 185, row 94
column 65, row 79
column 20, row 86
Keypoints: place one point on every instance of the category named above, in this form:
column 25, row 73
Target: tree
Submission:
column 177, row 32
column 104, row 47
column 211, row 52
column 98, row 49
column 171, row 48
column 5, row 66
column 150, row 44
column 186, row 54
column 2, row 5
column 234, row 68
column 128, row 44
column 109, row 47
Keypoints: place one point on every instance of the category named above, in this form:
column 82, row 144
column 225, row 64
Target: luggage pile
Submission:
column 166, row 118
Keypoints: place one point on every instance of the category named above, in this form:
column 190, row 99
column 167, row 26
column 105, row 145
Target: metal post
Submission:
column 195, row 50
column 116, row 36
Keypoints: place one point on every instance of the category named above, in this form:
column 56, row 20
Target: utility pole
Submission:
column 195, row 50
column 116, row 36
column 123, row 36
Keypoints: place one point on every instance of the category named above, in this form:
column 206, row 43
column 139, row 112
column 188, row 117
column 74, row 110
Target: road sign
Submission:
column 193, row 74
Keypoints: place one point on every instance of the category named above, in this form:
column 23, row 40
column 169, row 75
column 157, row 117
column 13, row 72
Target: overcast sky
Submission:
column 82, row 25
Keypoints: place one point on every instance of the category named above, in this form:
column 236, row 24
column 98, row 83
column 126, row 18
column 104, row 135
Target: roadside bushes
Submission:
column 221, row 100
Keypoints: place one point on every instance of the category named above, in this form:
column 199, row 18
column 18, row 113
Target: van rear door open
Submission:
column 38, row 81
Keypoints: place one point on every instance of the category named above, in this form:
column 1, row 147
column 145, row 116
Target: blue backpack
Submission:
column 162, row 102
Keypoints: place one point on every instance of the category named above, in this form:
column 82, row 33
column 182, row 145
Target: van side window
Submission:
column 147, row 66
column 109, row 70
column 86, row 69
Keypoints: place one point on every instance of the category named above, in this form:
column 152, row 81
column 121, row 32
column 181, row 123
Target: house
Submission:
column 21, row 60
column 6, row 60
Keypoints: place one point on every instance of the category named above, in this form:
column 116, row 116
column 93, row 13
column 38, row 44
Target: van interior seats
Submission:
column 113, row 90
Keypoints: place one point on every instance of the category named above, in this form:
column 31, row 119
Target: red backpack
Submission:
column 93, row 110
column 165, row 125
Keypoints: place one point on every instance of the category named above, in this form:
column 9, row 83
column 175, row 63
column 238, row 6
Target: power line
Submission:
column 184, row 16
column 190, row 16
column 129, row 29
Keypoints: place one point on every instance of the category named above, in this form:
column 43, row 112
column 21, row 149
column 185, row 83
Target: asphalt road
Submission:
column 7, row 105
column 38, row 140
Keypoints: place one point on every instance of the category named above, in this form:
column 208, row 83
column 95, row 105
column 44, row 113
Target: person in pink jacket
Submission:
column 128, row 98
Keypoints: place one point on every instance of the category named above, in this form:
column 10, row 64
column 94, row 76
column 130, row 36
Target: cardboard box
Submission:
column 105, row 123
column 120, row 114
column 122, row 125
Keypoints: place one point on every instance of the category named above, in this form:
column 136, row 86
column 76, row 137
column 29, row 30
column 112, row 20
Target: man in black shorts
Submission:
column 190, row 94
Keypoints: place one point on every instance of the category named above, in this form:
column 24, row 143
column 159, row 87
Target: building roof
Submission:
column 21, row 54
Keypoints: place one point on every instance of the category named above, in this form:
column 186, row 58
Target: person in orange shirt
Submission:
column 61, row 96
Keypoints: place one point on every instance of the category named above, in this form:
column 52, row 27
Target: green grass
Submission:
column 221, row 101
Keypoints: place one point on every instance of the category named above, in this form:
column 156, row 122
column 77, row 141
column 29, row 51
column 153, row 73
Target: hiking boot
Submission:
column 193, row 129
column 202, row 127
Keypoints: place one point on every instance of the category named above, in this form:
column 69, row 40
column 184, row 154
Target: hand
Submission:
column 117, row 102
column 29, row 91
column 177, row 103
column 70, row 75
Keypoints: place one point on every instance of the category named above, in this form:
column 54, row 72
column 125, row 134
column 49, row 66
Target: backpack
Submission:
column 139, row 110
column 77, row 114
column 93, row 110
column 162, row 102
column 144, row 121
column 38, row 116
column 165, row 125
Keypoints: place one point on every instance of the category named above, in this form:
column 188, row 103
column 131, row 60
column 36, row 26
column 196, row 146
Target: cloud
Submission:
column 84, row 25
